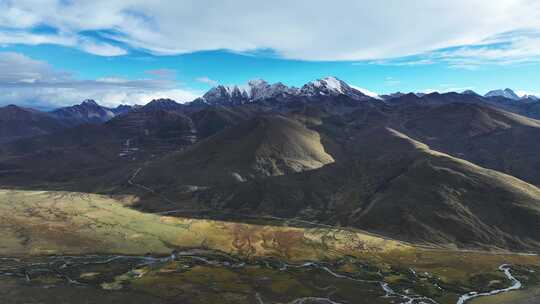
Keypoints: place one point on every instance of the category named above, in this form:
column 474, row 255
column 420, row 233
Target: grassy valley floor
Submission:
column 60, row 244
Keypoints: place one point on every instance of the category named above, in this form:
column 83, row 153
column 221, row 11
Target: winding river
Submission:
column 504, row 268
column 17, row 268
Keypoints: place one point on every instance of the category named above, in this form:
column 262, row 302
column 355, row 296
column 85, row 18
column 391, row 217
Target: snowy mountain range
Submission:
column 17, row 122
column 506, row 93
column 259, row 89
column 510, row 94
column 256, row 90
column 89, row 111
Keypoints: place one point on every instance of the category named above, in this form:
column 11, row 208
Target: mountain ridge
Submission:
column 258, row 90
column 19, row 122
column 438, row 169
column 88, row 111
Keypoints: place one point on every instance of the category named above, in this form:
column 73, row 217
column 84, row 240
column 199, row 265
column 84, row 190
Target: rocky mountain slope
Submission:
column 441, row 169
column 88, row 111
column 257, row 148
column 393, row 185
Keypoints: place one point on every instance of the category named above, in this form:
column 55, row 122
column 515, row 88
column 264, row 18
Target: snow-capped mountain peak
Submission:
column 327, row 86
column 89, row 102
column 225, row 95
column 470, row 92
column 332, row 86
column 506, row 93
column 263, row 90
column 259, row 89
column 367, row 92
column 88, row 111
column 333, row 83
column 256, row 89
column 529, row 97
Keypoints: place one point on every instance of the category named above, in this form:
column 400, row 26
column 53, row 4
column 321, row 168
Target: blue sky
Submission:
column 59, row 52
column 233, row 68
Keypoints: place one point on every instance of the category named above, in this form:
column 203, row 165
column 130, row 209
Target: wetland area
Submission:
column 110, row 253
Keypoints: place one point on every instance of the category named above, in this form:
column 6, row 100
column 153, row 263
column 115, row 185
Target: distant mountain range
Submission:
column 506, row 93
column 450, row 169
column 19, row 122
column 25, row 122
column 88, row 112
column 510, row 94
column 257, row 90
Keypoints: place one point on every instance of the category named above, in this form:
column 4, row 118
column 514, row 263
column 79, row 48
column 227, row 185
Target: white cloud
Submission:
column 17, row 68
column 445, row 88
column 100, row 49
column 522, row 93
column 207, row 80
column 141, row 96
column 512, row 48
column 459, row 89
column 520, row 48
column 30, row 82
column 83, row 43
column 404, row 62
column 314, row 30
column 391, row 81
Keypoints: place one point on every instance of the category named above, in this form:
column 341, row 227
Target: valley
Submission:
column 275, row 195
column 57, row 243
column 269, row 152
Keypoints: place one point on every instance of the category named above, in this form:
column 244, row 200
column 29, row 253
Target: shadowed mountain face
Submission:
column 88, row 112
column 71, row 155
column 486, row 136
column 398, row 187
column 260, row 147
column 381, row 179
column 17, row 122
column 437, row 198
column 155, row 129
column 445, row 169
